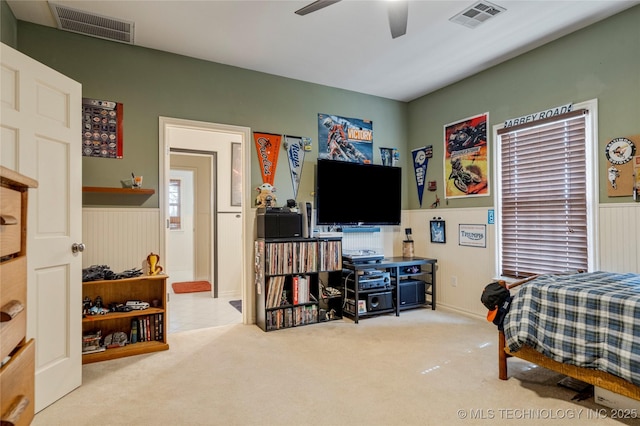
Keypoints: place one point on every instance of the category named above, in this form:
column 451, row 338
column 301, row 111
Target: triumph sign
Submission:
column 472, row 235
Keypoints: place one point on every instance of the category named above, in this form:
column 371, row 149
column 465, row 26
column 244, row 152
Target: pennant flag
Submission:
column 420, row 161
column 268, row 147
column 295, row 153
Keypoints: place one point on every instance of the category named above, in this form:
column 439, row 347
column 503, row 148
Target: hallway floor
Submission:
column 192, row 311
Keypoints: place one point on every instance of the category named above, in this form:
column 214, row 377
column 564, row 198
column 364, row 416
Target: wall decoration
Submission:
column 540, row 115
column 294, row 146
column 466, row 169
column 472, row 235
column 420, row 162
column 268, row 148
column 236, row 174
column 345, row 139
column 619, row 153
column 101, row 128
column 390, row 156
column 438, row 230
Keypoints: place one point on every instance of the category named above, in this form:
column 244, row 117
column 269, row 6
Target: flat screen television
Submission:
column 357, row 194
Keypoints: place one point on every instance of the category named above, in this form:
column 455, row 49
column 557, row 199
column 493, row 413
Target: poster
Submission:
column 466, row 168
column 345, row 139
column 101, row 128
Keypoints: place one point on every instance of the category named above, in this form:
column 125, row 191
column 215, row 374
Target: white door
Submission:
column 41, row 138
column 229, row 263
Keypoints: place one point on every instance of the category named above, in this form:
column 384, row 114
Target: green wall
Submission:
column 601, row 61
column 152, row 83
column 8, row 26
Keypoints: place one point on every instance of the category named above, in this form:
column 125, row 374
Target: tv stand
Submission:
column 412, row 284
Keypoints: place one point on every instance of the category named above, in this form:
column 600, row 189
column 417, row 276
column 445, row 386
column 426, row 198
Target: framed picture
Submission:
column 438, row 234
column 466, row 155
column 101, row 128
column 472, row 235
column 236, row 174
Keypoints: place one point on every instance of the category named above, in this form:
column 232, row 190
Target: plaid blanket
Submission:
column 590, row 320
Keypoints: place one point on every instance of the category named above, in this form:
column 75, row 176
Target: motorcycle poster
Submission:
column 345, row 139
column 466, row 166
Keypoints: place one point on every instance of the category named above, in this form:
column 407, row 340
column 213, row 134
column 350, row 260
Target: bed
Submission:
column 586, row 326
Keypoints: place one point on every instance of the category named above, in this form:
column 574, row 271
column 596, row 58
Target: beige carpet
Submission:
column 422, row 368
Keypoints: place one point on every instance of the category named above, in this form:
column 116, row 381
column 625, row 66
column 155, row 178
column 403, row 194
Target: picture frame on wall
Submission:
column 472, row 235
column 236, row 174
column 437, row 229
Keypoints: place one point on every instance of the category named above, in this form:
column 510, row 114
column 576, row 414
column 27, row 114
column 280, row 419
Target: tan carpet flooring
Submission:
column 422, row 368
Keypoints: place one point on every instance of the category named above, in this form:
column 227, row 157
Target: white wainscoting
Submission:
column 464, row 271
column 121, row 238
column 619, row 235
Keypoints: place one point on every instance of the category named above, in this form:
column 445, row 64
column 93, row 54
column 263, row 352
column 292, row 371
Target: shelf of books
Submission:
column 286, row 279
column 108, row 333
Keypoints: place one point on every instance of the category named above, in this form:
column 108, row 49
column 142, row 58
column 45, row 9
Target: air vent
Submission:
column 93, row 25
column 477, row 14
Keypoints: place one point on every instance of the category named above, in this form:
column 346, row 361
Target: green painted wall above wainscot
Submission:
column 150, row 83
column 598, row 62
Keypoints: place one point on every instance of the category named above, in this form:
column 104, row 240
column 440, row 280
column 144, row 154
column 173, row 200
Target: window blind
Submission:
column 543, row 196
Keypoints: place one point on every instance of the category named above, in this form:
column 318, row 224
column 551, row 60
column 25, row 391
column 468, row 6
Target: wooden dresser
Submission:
column 17, row 374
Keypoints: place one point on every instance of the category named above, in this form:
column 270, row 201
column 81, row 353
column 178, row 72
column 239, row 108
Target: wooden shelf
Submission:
column 106, row 190
column 116, row 315
column 148, row 288
column 124, row 351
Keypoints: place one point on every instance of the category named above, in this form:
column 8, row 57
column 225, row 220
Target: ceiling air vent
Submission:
column 477, row 14
column 93, row 25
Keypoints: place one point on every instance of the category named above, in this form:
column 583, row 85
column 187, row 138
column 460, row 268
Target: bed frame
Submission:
column 588, row 375
column 594, row 377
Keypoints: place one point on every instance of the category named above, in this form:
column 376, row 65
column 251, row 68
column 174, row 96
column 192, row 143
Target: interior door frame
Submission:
column 244, row 134
column 212, row 158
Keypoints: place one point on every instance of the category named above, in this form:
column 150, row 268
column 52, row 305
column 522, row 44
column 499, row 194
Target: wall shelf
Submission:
column 106, row 190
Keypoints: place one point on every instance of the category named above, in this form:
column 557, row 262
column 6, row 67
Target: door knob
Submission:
column 77, row 247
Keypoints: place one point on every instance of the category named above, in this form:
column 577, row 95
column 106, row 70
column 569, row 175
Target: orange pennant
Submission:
column 268, row 147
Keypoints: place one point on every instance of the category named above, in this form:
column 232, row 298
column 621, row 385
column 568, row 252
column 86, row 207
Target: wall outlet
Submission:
column 454, row 281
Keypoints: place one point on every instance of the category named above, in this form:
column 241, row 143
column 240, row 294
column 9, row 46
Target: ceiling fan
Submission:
column 398, row 12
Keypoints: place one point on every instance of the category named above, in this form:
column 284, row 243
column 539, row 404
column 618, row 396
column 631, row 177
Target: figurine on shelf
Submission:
column 265, row 197
column 152, row 261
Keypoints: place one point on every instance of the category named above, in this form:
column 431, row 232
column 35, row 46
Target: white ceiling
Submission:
column 346, row 45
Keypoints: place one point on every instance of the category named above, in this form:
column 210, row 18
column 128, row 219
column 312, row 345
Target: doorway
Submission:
column 226, row 269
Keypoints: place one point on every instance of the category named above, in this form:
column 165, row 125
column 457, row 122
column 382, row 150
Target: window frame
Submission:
column 178, row 204
column 592, row 191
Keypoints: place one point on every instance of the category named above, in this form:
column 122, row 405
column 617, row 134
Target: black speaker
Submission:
column 379, row 301
column 412, row 292
column 278, row 223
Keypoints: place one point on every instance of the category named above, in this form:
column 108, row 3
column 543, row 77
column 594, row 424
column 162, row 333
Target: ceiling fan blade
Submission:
column 316, row 5
column 398, row 15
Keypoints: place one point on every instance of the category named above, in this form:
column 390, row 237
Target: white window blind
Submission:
column 543, row 196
